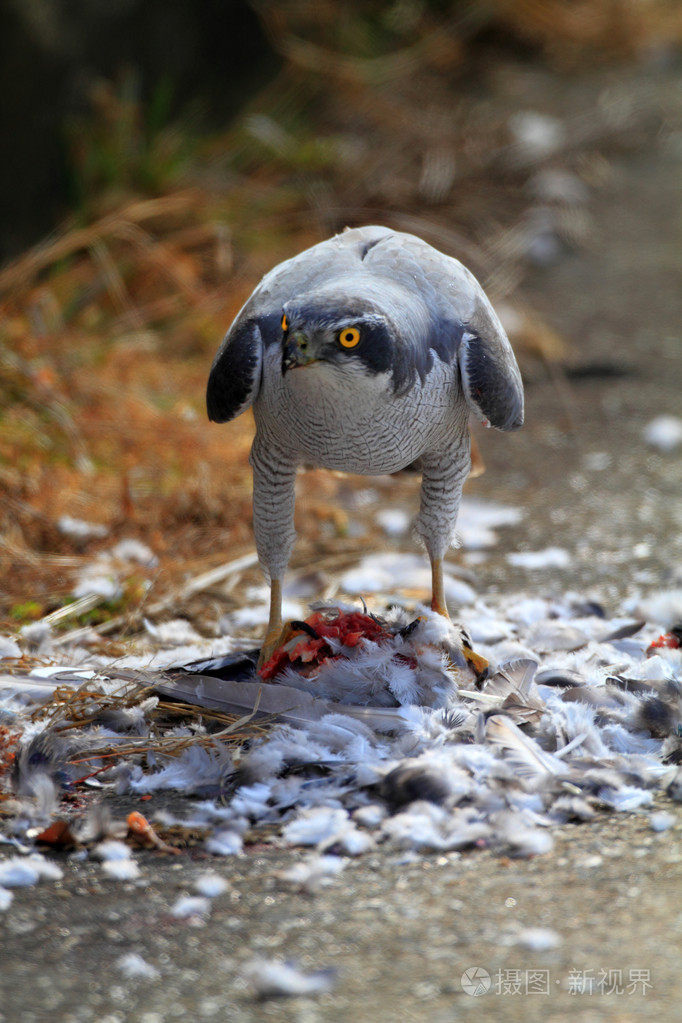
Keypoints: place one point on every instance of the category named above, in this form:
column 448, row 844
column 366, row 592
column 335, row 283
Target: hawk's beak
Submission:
column 296, row 352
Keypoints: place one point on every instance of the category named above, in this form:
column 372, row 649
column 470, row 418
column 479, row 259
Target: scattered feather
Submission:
column 135, row 551
column 210, row 886
column 225, row 843
column 528, row 759
column 551, row 557
column 134, row 967
column 393, row 739
column 22, row 872
column 320, row 826
column 121, row 870
column 190, row 906
column 674, row 786
column 270, row 978
column 663, row 607
column 310, row 874
column 9, row 648
column 80, row 530
column 477, row 521
column 111, row 851
column 519, row 839
column 551, row 636
column 625, row 798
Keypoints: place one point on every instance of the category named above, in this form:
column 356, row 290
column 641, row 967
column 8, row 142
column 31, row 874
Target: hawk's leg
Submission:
column 444, row 474
column 438, row 601
column 274, row 479
column 441, row 495
column 271, row 641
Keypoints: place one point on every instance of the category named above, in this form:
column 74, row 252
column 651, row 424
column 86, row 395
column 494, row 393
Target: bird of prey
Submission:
column 365, row 353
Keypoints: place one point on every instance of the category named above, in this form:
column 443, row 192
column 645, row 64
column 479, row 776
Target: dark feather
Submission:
column 561, row 678
column 406, row 784
column 491, row 382
column 235, row 375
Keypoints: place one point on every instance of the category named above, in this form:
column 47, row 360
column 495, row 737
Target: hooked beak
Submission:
column 296, row 352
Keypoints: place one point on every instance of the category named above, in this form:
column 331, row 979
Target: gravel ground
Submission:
column 400, row 931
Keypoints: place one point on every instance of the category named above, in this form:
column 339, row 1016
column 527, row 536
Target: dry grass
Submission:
column 75, row 710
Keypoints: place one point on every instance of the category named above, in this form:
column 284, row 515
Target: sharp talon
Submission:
column 408, row 629
column 264, row 656
column 270, row 643
column 304, row 627
column 478, row 664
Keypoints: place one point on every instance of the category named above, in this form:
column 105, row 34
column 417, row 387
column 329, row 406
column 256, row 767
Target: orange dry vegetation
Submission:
column 106, row 348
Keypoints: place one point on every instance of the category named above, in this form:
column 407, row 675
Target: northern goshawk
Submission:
column 366, row 353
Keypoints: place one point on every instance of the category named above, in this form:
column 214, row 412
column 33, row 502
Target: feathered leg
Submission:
column 441, row 495
column 443, row 478
column 274, row 479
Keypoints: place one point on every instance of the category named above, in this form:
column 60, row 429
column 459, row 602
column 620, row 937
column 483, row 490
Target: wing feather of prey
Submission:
column 527, row 757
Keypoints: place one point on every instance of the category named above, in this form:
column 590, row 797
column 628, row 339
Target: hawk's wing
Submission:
column 463, row 326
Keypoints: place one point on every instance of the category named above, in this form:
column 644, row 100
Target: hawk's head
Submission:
column 355, row 340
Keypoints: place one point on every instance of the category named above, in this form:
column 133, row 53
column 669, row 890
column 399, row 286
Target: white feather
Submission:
column 225, row 842
column 274, row 979
column 319, row 826
column 22, row 872
column 121, row 870
column 210, row 885
column 134, row 967
column 529, row 760
column 625, row 798
column 191, row 905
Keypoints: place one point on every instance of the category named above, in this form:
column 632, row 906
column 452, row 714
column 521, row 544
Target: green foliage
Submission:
column 97, row 615
column 29, row 611
column 125, row 145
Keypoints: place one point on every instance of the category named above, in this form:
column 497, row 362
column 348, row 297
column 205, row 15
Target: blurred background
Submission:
column 159, row 156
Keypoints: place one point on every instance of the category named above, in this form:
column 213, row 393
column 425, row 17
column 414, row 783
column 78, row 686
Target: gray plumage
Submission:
column 366, row 353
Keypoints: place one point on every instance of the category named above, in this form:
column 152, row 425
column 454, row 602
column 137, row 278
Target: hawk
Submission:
column 366, row 353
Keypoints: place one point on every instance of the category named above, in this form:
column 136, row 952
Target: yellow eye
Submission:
column 285, row 323
column 349, row 337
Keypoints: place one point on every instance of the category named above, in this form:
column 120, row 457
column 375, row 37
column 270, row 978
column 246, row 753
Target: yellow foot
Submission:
column 273, row 639
column 290, row 632
column 478, row 664
column 273, row 636
column 438, row 601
